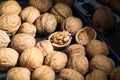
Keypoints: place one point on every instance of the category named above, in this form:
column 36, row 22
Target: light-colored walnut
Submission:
column 75, row 49
column 29, row 14
column 72, row 25
column 4, row 39
column 56, row 60
column 70, row 74
column 46, row 46
column 97, row 47
column 79, row 63
column 18, row 73
column 84, row 35
column 42, row 5
column 22, row 41
column 28, row 28
column 43, row 73
column 31, row 58
column 61, row 11
column 10, row 23
column 10, row 7
column 103, row 63
column 8, row 58
column 96, row 75
column 46, row 23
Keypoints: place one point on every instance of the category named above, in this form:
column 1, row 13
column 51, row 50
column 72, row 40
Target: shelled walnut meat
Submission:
column 31, row 58
column 69, row 74
column 41, row 5
column 10, row 7
column 72, row 25
column 4, row 39
column 43, row 73
column 27, row 28
column 22, row 41
column 103, row 63
column 18, row 73
column 29, row 14
column 46, row 23
column 97, row 47
column 10, row 23
column 56, row 60
column 8, row 58
column 61, row 11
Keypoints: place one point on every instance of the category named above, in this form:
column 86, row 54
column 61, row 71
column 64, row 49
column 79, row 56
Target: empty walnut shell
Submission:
column 103, row 63
column 72, row 25
column 43, row 73
column 84, row 35
column 69, row 74
column 46, row 23
column 61, row 11
column 60, row 39
column 18, row 73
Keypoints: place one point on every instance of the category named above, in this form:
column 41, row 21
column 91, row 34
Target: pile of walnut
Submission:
column 25, row 58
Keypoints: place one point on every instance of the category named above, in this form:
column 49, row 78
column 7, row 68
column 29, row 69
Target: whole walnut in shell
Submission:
column 97, row 47
column 104, row 18
column 18, row 73
column 22, row 41
column 84, row 35
column 103, row 63
column 8, row 58
column 96, row 75
column 4, row 39
column 42, row 5
column 46, row 23
column 79, row 63
column 115, row 74
column 28, row 28
column 31, row 58
column 10, row 7
column 29, row 14
column 72, row 25
column 46, row 46
column 56, row 60
column 10, row 23
column 61, row 11
column 43, row 73
column 75, row 49
column 69, row 74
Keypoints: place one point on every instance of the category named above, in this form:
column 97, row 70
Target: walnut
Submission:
column 4, row 39
column 79, row 63
column 10, row 7
column 97, row 47
column 60, row 39
column 56, row 60
column 22, row 41
column 72, row 25
column 8, row 58
column 84, row 35
column 46, row 23
column 61, row 11
column 70, row 74
column 46, row 46
column 42, row 5
column 29, row 14
column 103, row 63
column 31, row 58
column 18, row 73
column 10, row 23
column 104, row 21
column 75, row 49
column 43, row 73
column 115, row 74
